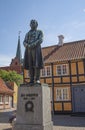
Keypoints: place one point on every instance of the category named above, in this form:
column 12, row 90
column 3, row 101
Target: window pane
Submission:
column 59, row 94
column 65, row 94
column 48, row 71
column 7, row 99
column 64, row 69
column 43, row 72
column 0, row 98
column 58, row 70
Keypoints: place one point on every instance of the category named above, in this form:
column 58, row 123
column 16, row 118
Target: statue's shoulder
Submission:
column 28, row 33
column 40, row 32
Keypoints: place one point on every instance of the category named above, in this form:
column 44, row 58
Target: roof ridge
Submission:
column 72, row 42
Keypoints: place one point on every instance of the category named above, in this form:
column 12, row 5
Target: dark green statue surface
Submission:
column 33, row 60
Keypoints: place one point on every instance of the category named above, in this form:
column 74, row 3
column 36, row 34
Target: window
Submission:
column 43, row 72
column 62, row 69
column 1, row 99
column 59, row 70
column 62, row 94
column 46, row 71
column 7, row 99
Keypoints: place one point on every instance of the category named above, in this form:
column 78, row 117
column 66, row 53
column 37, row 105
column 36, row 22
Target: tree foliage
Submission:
column 11, row 76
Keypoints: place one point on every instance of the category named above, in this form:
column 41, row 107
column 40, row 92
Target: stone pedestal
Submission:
column 34, row 108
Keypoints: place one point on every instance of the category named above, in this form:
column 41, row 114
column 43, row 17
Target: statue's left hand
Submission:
column 32, row 45
column 29, row 46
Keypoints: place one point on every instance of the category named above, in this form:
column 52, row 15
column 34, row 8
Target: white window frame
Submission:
column 45, row 71
column 1, row 102
column 62, row 96
column 61, row 69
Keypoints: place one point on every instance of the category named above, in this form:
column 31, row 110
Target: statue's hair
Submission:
column 33, row 20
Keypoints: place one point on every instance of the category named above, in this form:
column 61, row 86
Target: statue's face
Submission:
column 33, row 24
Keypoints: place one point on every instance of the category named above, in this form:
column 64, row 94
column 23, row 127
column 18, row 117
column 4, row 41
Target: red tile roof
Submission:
column 4, row 89
column 68, row 51
column 15, row 68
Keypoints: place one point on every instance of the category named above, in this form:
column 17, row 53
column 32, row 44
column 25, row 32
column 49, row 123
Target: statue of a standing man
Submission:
column 33, row 60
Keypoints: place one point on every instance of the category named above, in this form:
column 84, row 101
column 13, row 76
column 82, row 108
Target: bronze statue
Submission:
column 33, row 60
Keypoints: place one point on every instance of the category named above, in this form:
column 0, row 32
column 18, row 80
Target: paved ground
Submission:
column 68, row 122
column 60, row 122
column 4, row 118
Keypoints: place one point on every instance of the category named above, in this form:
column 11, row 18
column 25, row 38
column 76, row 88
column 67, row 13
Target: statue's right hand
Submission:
column 29, row 45
column 25, row 45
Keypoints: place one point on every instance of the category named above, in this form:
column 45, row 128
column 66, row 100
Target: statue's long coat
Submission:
column 38, row 61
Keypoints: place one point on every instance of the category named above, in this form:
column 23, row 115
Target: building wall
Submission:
column 15, row 95
column 13, row 86
column 4, row 103
column 75, row 75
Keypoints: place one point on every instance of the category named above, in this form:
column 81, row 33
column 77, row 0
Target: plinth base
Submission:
column 47, row 126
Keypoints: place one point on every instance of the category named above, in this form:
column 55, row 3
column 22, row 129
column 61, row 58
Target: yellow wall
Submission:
column 81, row 78
column 67, row 106
column 26, row 73
column 58, row 106
column 80, row 68
column 49, row 80
column 57, row 80
column 73, row 68
column 66, row 79
column 54, row 68
column 15, row 94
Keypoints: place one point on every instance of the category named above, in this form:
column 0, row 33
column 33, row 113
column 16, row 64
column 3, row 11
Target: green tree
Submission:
column 11, row 76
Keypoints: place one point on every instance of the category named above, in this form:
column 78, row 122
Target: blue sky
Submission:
column 55, row 17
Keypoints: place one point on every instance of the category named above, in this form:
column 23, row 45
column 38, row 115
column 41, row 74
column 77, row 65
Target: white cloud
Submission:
column 5, row 60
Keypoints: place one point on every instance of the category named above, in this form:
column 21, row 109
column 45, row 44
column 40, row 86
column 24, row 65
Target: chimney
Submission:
column 60, row 37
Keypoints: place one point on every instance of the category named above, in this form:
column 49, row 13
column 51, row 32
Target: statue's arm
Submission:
column 38, row 41
column 25, row 42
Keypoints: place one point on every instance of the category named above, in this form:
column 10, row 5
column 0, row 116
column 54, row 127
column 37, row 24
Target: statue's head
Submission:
column 33, row 24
